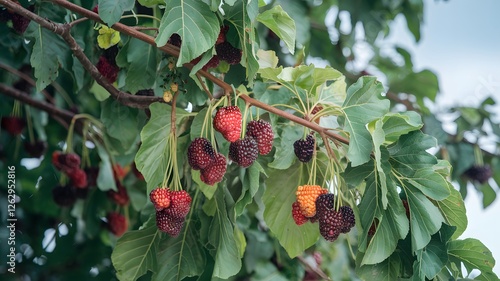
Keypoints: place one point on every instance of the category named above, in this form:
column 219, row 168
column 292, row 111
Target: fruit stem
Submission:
column 204, row 86
column 136, row 16
column 29, row 124
column 69, row 138
column 244, row 122
column 478, row 155
column 85, row 150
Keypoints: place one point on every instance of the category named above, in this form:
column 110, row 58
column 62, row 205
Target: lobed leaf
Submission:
column 362, row 105
column 278, row 198
column 277, row 20
column 474, row 255
column 180, row 257
column 194, row 22
column 110, row 11
column 141, row 72
column 47, row 56
column 135, row 253
column 425, row 218
column 221, row 235
column 153, row 155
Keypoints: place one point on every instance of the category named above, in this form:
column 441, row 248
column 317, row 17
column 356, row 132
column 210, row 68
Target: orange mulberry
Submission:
column 306, row 196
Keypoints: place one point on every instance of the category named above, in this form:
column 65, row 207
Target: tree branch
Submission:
column 63, row 30
column 45, row 106
column 27, row 79
column 140, row 101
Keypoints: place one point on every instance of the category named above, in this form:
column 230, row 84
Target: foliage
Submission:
column 374, row 156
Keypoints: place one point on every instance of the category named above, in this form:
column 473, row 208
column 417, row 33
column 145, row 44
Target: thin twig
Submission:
column 63, row 30
column 140, row 101
column 45, row 106
column 210, row 96
column 27, row 79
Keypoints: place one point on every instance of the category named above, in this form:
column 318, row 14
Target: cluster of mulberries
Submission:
column 315, row 204
column 202, row 156
column 107, row 64
column 80, row 180
column 172, row 207
column 227, row 121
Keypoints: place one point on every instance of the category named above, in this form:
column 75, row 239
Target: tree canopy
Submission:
column 199, row 140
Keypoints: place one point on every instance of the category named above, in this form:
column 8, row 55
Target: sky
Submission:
column 461, row 44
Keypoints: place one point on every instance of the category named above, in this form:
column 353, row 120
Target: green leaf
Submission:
column 141, row 73
column 151, row 3
column 221, row 236
column 195, row 23
column 412, row 84
column 105, row 178
column 362, row 105
column 135, row 253
column 432, row 259
column 208, row 190
column 474, row 255
column 153, row 155
column 431, row 183
column 99, row 92
column 333, row 94
column 453, row 210
column 388, row 270
column 398, row 124
column 425, row 218
column 180, row 257
column 281, row 24
column 250, row 187
column 48, row 54
column 392, row 223
column 120, row 122
column 285, row 156
column 409, row 154
column 307, row 77
column 110, row 11
column 271, row 96
column 354, row 176
column 267, row 59
column 489, row 194
column 278, row 198
column 107, row 37
column 242, row 16
column 378, row 137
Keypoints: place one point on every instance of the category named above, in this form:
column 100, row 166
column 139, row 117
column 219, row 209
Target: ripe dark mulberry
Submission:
column 330, row 224
column 304, row 148
column 64, row 196
column 228, row 53
column 200, row 153
column 244, row 151
column 12, row 124
column 262, row 132
column 479, row 173
column 180, row 204
column 169, row 224
column 214, row 173
column 348, row 219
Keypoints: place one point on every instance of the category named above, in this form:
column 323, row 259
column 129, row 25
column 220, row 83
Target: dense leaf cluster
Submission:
column 373, row 156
